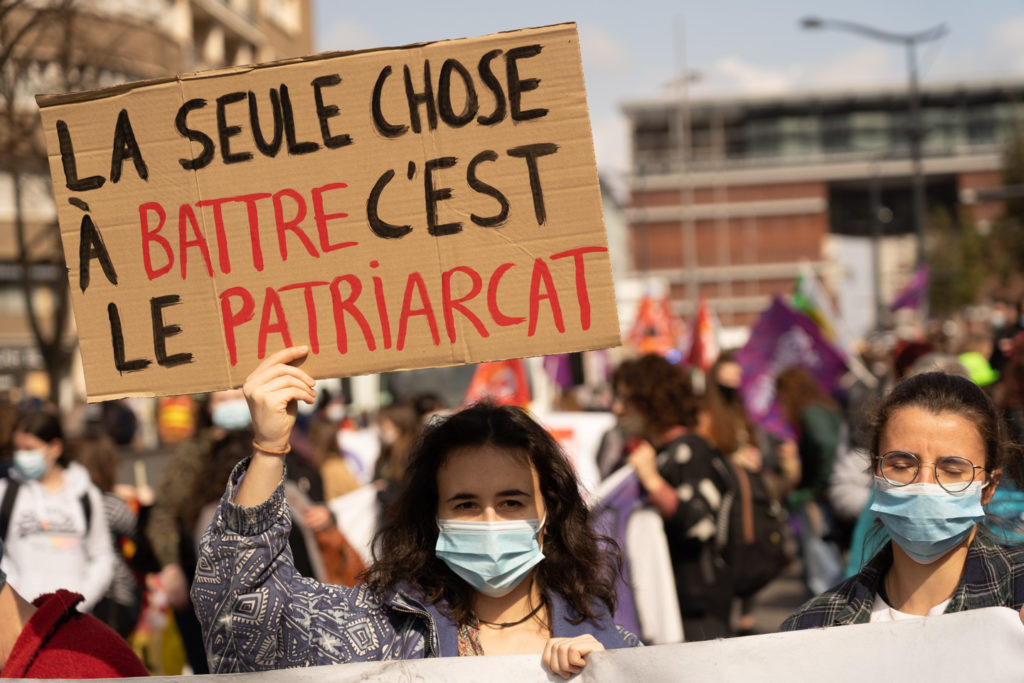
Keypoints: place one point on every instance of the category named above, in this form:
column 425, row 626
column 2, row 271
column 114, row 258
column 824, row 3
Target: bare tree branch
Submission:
column 22, row 46
column 7, row 6
column 25, row 262
column 9, row 45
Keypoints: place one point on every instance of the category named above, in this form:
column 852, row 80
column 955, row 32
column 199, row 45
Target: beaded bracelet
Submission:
column 263, row 449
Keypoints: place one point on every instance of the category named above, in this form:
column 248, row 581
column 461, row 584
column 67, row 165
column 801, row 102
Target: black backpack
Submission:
column 752, row 532
column 7, row 506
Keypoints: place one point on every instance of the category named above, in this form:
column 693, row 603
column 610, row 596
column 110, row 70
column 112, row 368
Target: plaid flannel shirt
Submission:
column 993, row 576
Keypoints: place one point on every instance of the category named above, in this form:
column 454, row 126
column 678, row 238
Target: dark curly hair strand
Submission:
column 579, row 564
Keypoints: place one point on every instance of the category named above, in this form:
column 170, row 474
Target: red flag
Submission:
column 703, row 339
column 504, row 382
column 655, row 328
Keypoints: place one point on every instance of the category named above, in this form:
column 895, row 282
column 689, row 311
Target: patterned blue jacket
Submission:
column 259, row 613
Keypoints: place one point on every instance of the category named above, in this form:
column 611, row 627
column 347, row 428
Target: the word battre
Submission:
column 262, row 227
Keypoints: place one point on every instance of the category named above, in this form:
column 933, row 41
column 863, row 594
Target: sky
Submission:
column 637, row 50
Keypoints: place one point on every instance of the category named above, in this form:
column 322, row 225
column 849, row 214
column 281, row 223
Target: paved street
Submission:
column 778, row 600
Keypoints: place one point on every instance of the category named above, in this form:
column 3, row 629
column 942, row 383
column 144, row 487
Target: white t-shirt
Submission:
column 48, row 545
column 881, row 611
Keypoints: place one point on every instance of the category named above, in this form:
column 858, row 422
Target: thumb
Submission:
column 586, row 645
column 1022, row 613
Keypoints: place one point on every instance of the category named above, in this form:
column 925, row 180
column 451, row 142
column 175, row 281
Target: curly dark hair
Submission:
column 580, row 565
column 662, row 392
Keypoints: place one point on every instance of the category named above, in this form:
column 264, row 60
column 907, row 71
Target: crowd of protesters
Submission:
column 466, row 530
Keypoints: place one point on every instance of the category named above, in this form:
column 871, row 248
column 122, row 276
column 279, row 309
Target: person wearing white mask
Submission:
column 52, row 517
column 487, row 551
column 937, row 454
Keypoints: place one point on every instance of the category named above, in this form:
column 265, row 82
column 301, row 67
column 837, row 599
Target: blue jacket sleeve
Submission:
column 258, row 613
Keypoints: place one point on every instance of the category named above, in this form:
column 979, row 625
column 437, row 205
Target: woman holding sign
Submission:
column 487, row 551
column 937, row 456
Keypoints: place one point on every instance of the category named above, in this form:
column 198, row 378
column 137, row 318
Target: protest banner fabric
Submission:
column 810, row 298
column 429, row 205
column 579, row 434
column 703, row 338
column 503, row 382
column 558, row 368
column 656, row 328
column 941, row 647
column 914, row 293
column 782, row 338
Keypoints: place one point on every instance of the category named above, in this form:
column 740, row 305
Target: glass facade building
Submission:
column 731, row 196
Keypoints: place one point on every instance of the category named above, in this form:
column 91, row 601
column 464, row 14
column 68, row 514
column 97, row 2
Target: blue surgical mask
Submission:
column 232, row 415
column 925, row 520
column 31, row 464
column 492, row 557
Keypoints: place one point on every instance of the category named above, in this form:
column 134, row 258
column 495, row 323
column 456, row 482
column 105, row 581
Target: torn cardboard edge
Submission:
column 98, row 398
column 581, row 227
column 53, row 99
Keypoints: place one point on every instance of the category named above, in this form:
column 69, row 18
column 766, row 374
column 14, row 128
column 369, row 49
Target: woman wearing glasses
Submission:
column 937, row 452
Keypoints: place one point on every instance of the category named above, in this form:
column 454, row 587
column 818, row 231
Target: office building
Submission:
column 730, row 195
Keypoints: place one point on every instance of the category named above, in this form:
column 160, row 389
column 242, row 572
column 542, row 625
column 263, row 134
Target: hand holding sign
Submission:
column 271, row 391
column 566, row 656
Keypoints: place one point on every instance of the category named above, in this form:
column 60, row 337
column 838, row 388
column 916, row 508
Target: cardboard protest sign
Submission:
column 409, row 207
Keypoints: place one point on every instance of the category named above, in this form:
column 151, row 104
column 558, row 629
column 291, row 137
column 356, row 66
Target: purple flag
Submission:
column 559, row 369
column 610, row 517
column 783, row 338
column 914, row 292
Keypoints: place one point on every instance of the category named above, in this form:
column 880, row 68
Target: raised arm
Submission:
column 272, row 390
column 256, row 610
column 685, row 488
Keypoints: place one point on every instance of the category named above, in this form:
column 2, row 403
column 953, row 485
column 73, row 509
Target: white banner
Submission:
column 984, row 645
column 579, row 433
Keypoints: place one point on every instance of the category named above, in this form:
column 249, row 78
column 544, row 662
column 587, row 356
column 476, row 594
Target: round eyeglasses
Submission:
column 953, row 473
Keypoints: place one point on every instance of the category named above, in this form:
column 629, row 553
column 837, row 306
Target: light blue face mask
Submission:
column 924, row 519
column 232, row 415
column 31, row 464
column 492, row 557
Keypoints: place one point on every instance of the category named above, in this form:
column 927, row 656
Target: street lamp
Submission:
column 915, row 132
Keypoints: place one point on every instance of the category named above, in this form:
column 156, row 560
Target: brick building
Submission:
column 730, row 195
